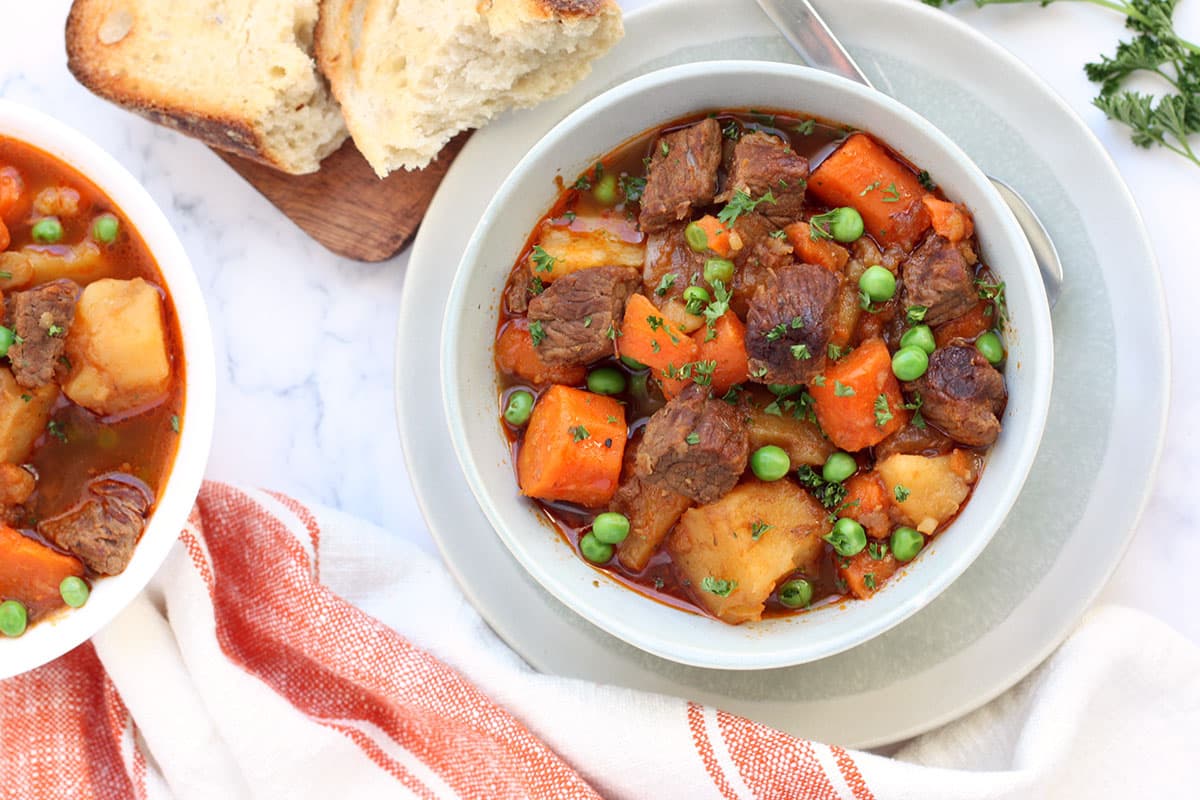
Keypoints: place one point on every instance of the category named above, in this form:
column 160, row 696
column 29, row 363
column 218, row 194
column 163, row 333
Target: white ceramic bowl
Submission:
column 469, row 379
column 52, row 637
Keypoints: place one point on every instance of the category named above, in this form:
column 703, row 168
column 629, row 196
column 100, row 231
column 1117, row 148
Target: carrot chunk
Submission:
column 822, row 252
column 5, row 238
column 31, row 572
column 950, row 220
column 727, row 349
column 976, row 321
column 718, row 235
column 516, row 356
column 647, row 336
column 867, row 502
column 863, row 175
column 859, row 404
column 864, row 574
column 10, row 191
column 573, row 447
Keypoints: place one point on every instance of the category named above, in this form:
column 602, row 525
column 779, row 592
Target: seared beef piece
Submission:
column 763, row 163
column 939, row 276
column 962, row 394
column 682, row 174
column 518, row 292
column 789, row 324
column 694, row 446
column 667, row 251
column 759, row 252
column 914, row 441
column 651, row 510
column 41, row 318
column 579, row 311
column 104, row 529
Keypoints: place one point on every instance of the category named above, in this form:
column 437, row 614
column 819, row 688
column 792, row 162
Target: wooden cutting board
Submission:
column 345, row 207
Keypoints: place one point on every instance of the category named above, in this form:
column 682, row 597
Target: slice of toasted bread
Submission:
column 237, row 74
column 409, row 74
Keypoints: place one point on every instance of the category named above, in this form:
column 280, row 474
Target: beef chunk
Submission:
column 764, row 163
column 651, row 510
column 104, row 529
column 962, row 394
column 518, row 291
column 758, row 252
column 578, row 312
column 682, row 174
column 41, row 318
column 694, row 446
column 668, row 253
column 916, row 441
column 789, row 324
column 939, row 276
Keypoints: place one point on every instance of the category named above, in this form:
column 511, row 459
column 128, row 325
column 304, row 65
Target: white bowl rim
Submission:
column 66, row 630
column 1037, row 329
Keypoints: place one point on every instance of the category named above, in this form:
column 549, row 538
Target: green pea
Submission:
column 74, row 591
column 782, row 389
column 718, row 269
column 910, row 363
column 847, row 537
column 697, row 239
column 906, row 543
column 770, row 463
column 697, row 298
column 13, row 618
column 520, row 406
column 47, row 230
column 605, row 190
column 838, row 467
column 796, row 593
column 7, row 338
column 846, row 224
column 992, row 348
column 878, row 283
column 606, row 380
column 104, row 229
column 595, row 550
column 610, row 527
column 920, row 336
column 632, row 363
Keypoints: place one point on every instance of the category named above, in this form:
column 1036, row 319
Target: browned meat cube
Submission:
column 578, row 313
column 694, row 446
column 732, row 553
column 962, row 394
column 939, row 276
column 667, row 253
column 104, row 529
column 789, row 324
column 763, row 163
column 913, row 440
column 682, row 175
column 651, row 511
column 41, row 318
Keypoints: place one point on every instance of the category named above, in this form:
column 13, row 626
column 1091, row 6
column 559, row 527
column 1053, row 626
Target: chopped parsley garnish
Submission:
column 659, row 582
column 758, row 529
column 612, row 332
column 692, row 438
column 758, row 372
column 835, row 352
column 569, row 216
column 666, row 148
column 611, row 419
column 718, row 586
column 733, row 130
column 818, row 226
column 5, row 276
column 926, row 181
column 828, row 494
column 702, row 372
column 54, row 330
column 578, row 433
column 55, row 429
column 916, row 314
column 633, row 188
column 731, row 396
column 666, row 283
column 542, row 261
column 902, row 493
column 806, row 128
column 536, row 286
column 763, row 118
column 877, row 550
column 175, row 423
column 842, row 390
column 26, row 397
column 655, row 346
column 779, row 234
column 800, row 352
column 883, row 412
column 777, row 333
column 536, row 332
column 891, row 194
column 582, row 183
column 717, row 307
column 818, row 380
column 742, row 203
column 587, row 321
column 993, row 292
column 869, row 580
column 870, row 187
column 918, row 421
column 66, row 362
column 797, row 323
column 654, row 322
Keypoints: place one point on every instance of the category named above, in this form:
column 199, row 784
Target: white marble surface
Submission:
column 304, row 340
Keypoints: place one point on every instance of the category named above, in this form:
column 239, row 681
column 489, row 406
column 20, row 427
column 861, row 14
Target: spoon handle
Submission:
column 808, row 34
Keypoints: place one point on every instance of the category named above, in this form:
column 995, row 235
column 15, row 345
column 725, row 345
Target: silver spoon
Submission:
column 804, row 29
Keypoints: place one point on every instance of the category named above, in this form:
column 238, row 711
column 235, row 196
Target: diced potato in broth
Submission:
column 23, row 416
column 565, row 250
column 933, row 488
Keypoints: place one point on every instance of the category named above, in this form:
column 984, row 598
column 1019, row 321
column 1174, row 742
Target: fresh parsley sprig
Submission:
column 1168, row 120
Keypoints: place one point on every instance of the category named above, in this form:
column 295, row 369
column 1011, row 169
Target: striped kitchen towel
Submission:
column 242, row 672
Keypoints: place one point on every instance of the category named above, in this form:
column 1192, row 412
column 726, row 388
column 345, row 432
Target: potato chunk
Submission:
column 573, row 250
column 651, row 511
column 118, row 348
column 23, row 416
column 801, row 439
column 81, row 263
column 733, row 552
column 935, row 487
